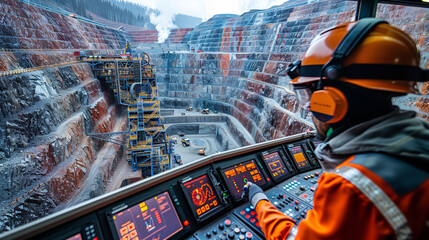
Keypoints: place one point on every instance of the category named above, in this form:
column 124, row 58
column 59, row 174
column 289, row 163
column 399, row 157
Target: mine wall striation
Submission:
column 47, row 160
column 233, row 65
column 237, row 64
column 28, row 27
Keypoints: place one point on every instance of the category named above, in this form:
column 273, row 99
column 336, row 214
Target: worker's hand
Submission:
column 253, row 193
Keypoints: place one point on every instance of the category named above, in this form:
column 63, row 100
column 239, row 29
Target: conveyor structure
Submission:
column 133, row 81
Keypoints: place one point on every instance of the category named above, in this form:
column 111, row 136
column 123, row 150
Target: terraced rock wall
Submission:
column 26, row 27
column 237, row 63
column 47, row 161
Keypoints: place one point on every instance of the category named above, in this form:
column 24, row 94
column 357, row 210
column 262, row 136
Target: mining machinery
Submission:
column 134, row 84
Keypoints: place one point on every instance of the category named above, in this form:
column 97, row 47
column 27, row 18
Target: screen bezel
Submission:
column 299, row 144
column 268, row 181
column 309, row 145
column 211, row 212
column 137, row 201
column 285, row 161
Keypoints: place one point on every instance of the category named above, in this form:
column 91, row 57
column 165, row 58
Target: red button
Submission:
column 186, row 223
column 316, row 173
column 249, row 235
column 304, row 196
column 228, row 222
column 253, row 213
column 242, row 212
column 252, row 220
column 312, row 188
column 247, row 216
column 296, row 202
column 257, row 224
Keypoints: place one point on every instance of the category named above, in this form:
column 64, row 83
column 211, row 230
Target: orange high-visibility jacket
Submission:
column 369, row 196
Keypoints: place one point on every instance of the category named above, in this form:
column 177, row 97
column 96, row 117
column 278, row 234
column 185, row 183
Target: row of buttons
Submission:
column 90, row 232
column 288, row 187
column 232, row 232
column 250, row 215
column 316, row 174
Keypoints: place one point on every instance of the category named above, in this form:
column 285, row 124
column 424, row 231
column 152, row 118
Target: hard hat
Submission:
column 369, row 53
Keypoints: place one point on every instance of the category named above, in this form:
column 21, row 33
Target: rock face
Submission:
column 28, row 27
column 231, row 64
column 46, row 157
column 237, row 63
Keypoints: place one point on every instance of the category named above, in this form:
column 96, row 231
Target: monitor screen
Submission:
column 201, row 196
column 154, row 218
column 298, row 156
column 317, row 142
column 275, row 165
column 237, row 176
column 75, row 237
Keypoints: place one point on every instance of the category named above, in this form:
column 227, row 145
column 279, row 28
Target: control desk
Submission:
column 199, row 200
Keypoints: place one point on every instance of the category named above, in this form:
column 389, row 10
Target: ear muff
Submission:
column 328, row 105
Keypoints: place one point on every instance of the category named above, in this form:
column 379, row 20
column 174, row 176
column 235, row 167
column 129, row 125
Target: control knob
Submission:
column 221, row 226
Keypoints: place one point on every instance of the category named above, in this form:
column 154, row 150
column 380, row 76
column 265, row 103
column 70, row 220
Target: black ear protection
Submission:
column 328, row 104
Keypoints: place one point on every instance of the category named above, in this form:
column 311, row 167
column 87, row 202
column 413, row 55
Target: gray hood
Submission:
column 398, row 134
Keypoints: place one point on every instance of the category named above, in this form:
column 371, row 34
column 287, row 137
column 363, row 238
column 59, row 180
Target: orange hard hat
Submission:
column 386, row 59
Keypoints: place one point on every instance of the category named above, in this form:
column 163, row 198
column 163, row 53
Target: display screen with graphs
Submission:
column 154, row 218
column 238, row 175
column 201, row 196
column 275, row 165
column 298, row 157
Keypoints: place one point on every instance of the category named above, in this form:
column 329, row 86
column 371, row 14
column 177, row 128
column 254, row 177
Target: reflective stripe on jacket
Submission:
column 369, row 196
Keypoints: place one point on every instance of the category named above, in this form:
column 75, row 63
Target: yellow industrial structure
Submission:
column 134, row 84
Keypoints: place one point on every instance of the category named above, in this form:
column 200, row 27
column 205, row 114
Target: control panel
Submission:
column 286, row 203
column 202, row 200
column 302, row 156
column 302, row 186
column 226, row 227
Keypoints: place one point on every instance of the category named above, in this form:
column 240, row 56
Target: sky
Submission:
column 204, row 9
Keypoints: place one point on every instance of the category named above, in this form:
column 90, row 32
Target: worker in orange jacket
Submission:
column 375, row 157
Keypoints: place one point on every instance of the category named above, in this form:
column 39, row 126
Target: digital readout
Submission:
column 238, row 175
column 154, row 218
column 275, row 165
column 202, row 196
column 298, row 156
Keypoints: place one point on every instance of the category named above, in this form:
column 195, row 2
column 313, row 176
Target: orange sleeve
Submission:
column 340, row 211
column 274, row 224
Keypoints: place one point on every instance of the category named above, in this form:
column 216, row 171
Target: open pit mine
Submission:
column 86, row 108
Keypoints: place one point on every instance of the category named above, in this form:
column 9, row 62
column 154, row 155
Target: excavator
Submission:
column 202, row 152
